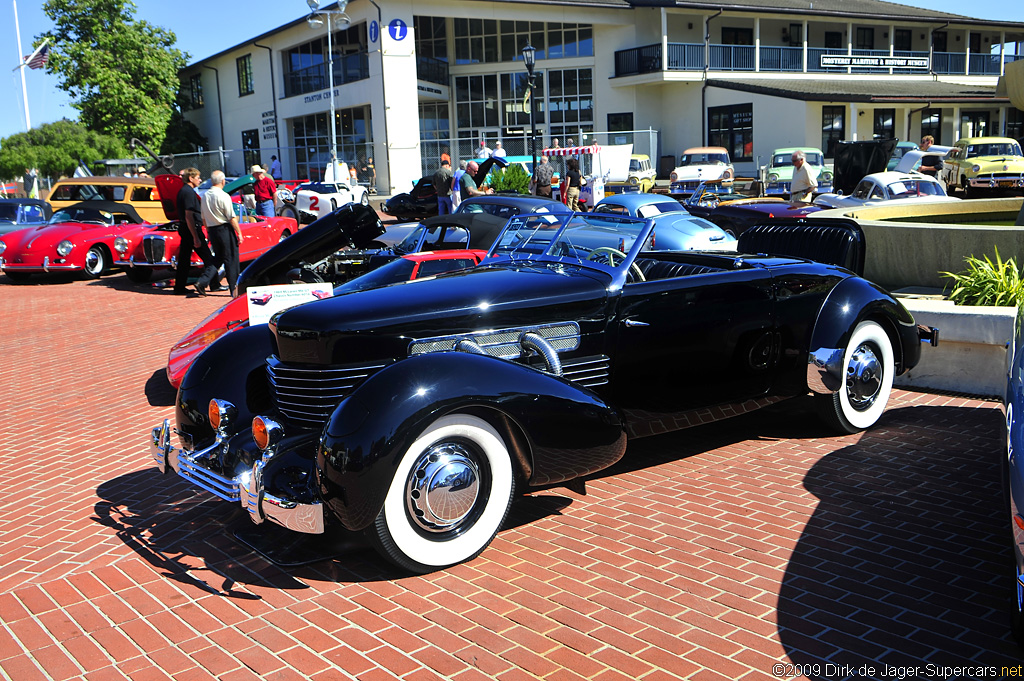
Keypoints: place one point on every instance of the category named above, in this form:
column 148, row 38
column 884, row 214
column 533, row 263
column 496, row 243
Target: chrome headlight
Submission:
column 975, row 168
column 634, row 180
column 827, row 177
column 121, row 245
column 673, row 177
column 773, row 177
column 64, row 247
column 727, row 174
column 3, row 247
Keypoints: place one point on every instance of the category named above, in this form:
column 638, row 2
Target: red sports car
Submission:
column 235, row 314
column 78, row 238
column 145, row 251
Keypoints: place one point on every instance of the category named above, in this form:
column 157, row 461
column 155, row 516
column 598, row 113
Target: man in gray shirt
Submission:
column 224, row 231
column 542, row 178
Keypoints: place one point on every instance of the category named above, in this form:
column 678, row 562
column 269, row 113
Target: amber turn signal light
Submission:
column 266, row 433
column 214, row 414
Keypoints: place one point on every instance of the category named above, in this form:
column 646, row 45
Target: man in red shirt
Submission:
column 264, row 189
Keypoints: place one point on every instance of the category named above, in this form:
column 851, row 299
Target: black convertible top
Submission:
column 483, row 227
column 105, row 206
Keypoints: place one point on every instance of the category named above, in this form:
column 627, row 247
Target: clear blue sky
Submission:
column 234, row 21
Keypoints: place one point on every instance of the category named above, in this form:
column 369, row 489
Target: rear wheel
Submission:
column 284, row 235
column 289, row 211
column 449, row 497
column 334, row 205
column 97, row 262
column 868, row 371
column 139, row 275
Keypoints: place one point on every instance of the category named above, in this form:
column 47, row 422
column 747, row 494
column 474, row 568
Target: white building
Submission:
column 412, row 79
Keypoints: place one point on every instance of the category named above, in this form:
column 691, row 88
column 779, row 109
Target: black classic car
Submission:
column 421, row 202
column 414, row 414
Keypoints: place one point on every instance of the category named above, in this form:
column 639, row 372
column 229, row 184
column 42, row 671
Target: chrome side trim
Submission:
column 825, row 370
column 503, row 343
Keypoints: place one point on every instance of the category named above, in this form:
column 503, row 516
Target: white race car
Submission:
column 316, row 199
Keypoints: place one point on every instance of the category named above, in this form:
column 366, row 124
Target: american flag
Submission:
column 39, row 61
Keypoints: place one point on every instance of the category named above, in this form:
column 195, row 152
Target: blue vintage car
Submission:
column 1013, row 469
column 414, row 415
column 21, row 213
column 676, row 229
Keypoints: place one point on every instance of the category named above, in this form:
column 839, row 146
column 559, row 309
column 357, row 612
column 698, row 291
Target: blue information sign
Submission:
column 374, row 31
column 398, row 29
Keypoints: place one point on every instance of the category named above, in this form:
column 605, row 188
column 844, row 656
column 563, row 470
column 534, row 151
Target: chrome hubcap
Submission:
column 863, row 378
column 443, row 487
column 92, row 260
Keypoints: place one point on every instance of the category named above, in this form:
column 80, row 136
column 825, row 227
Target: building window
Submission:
column 305, row 64
column 1015, row 123
column 195, row 82
column 833, row 40
column 931, row 124
column 479, row 41
column 312, row 140
column 796, row 35
column 737, row 36
column 902, row 39
column 884, row 127
column 732, row 127
column 251, row 147
column 939, row 41
column 833, row 127
column 515, row 35
column 571, row 97
column 435, row 136
column 476, row 101
column 865, row 38
column 620, row 128
column 244, row 67
column 431, row 37
column 513, row 90
column 570, row 40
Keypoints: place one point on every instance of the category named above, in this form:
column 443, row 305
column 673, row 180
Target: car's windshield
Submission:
column 994, row 149
column 82, row 215
column 703, row 159
column 906, row 189
column 434, row 238
column 811, row 157
column 600, row 238
column 395, row 271
column 317, row 188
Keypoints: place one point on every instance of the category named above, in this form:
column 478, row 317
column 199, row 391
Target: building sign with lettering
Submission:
column 269, row 125
column 844, row 60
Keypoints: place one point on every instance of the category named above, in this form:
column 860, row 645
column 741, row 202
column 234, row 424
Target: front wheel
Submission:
column 365, row 199
column 449, row 497
column 289, row 211
column 868, row 371
column 96, row 263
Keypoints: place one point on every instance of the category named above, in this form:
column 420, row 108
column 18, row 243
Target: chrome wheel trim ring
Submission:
column 864, row 376
column 443, row 488
column 92, row 260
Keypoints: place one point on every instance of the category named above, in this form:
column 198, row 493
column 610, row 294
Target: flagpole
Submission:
column 24, row 90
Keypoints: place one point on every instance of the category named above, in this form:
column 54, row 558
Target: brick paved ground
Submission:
column 711, row 553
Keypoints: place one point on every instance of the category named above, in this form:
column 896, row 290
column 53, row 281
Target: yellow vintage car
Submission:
column 984, row 164
column 138, row 192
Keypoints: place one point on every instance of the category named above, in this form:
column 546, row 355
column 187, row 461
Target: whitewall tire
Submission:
column 449, row 496
column 868, row 370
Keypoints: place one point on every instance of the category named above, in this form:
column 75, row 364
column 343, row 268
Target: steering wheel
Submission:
column 611, row 253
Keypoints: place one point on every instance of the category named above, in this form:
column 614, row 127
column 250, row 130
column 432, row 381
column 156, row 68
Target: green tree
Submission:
column 121, row 73
column 56, row 149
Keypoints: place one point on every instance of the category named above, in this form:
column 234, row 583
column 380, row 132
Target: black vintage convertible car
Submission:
column 415, row 413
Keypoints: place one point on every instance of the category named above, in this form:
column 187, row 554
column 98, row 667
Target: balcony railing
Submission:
column 432, row 70
column 347, row 69
column 690, row 57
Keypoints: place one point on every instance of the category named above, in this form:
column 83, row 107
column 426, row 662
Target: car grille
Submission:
column 154, row 248
column 588, row 372
column 306, row 397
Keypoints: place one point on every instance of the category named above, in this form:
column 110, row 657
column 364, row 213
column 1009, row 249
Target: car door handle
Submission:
column 633, row 322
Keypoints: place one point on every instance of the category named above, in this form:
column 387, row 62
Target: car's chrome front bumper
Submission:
column 46, row 266
column 997, row 182
column 130, row 262
column 246, row 488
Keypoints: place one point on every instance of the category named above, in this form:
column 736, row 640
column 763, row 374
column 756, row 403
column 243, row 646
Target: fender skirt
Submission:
column 555, row 431
column 852, row 301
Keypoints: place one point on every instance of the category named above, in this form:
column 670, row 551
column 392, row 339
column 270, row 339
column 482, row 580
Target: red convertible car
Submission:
column 78, row 238
column 143, row 251
column 235, row 314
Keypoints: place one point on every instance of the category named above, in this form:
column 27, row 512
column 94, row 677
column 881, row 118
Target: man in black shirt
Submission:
column 190, row 222
column 931, row 164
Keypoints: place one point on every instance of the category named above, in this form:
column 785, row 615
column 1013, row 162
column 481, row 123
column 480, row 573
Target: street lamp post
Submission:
column 530, row 57
column 315, row 21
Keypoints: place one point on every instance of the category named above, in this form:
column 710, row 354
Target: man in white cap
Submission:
column 264, row 189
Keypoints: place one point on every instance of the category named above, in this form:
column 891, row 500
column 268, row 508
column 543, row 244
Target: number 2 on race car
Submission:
column 314, row 202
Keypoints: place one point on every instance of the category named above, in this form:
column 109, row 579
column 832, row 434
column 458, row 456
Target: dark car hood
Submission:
column 379, row 324
column 351, row 226
column 854, row 160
